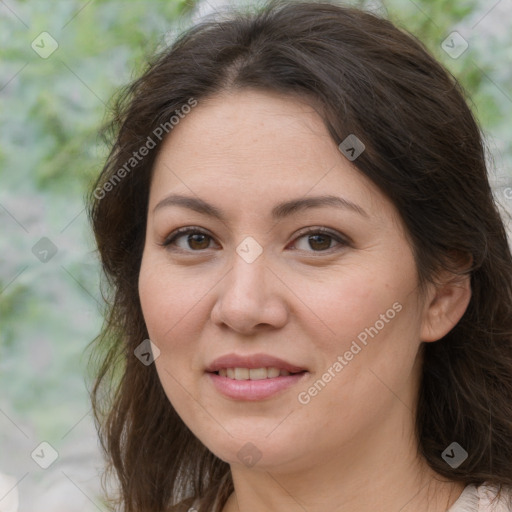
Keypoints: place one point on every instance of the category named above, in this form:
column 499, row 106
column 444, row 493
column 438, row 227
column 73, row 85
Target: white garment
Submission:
column 479, row 499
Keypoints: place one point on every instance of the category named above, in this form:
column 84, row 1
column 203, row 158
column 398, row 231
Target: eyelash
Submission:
column 178, row 233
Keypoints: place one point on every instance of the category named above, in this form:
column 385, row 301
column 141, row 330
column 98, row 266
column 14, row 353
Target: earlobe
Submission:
column 445, row 306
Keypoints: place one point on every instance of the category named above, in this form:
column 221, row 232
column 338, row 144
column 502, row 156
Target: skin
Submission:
column 304, row 300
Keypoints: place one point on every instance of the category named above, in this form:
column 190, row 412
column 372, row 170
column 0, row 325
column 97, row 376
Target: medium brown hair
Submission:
column 424, row 151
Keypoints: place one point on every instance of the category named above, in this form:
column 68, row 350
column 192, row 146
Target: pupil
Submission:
column 325, row 239
column 192, row 241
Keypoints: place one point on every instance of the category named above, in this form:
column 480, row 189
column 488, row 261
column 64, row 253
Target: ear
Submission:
column 446, row 302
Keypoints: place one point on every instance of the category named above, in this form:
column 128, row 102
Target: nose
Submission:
column 250, row 298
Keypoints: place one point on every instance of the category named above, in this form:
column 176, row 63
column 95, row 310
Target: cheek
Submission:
column 347, row 301
column 366, row 322
column 168, row 308
column 171, row 305
column 169, row 299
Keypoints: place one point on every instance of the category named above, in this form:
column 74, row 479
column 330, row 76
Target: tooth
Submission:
column 241, row 373
column 272, row 372
column 258, row 373
column 253, row 373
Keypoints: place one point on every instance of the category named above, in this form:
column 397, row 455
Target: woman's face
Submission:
column 288, row 318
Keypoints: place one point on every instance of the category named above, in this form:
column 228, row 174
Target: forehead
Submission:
column 252, row 147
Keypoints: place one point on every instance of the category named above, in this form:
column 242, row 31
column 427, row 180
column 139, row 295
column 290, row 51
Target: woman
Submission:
column 296, row 212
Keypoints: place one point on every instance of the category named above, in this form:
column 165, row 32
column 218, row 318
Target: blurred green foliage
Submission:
column 431, row 21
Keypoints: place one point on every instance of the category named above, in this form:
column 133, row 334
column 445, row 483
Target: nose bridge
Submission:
column 248, row 296
column 246, row 283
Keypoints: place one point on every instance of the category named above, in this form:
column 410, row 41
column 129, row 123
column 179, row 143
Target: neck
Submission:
column 324, row 489
column 378, row 470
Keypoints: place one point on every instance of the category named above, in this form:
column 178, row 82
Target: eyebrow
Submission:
column 280, row 211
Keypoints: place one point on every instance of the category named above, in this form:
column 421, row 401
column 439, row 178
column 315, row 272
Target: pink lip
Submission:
column 252, row 361
column 252, row 390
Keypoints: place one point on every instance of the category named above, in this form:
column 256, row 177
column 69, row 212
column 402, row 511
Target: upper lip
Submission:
column 252, row 361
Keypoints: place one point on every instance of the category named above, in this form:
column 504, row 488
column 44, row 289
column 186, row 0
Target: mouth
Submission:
column 254, row 373
column 255, row 377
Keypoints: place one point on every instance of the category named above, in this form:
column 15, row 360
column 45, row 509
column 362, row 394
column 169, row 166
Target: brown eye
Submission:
column 319, row 240
column 188, row 239
column 197, row 241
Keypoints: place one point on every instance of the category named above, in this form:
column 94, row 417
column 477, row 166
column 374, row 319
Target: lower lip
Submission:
column 254, row 389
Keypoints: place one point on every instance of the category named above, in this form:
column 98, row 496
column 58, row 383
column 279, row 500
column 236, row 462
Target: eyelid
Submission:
column 326, row 231
column 184, row 231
